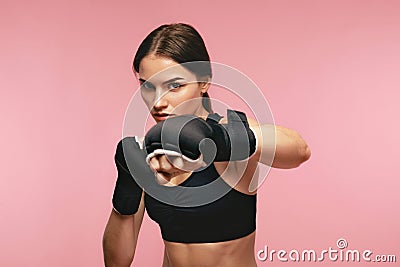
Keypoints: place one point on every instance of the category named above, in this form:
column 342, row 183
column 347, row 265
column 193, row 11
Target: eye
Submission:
column 173, row 86
column 147, row 85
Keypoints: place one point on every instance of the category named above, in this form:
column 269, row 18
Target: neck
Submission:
column 202, row 113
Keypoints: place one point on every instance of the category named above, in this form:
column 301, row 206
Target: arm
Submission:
column 121, row 233
column 290, row 148
column 120, row 237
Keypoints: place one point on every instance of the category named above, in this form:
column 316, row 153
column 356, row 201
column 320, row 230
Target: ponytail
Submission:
column 206, row 101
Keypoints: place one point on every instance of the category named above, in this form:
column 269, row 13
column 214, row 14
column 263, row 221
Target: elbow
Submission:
column 303, row 150
column 293, row 160
column 304, row 154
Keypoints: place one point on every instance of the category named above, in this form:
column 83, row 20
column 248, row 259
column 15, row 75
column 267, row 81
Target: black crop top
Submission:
column 231, row 216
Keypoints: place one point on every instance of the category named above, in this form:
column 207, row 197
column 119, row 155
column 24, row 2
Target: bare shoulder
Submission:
column 252, row 122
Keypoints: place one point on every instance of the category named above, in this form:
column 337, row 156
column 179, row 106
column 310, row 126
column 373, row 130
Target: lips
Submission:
column 162, row 116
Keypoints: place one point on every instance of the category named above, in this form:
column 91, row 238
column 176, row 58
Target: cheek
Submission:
column 148, row 98
column 190, row 97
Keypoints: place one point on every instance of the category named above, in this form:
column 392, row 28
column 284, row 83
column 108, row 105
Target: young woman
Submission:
column 219, row 233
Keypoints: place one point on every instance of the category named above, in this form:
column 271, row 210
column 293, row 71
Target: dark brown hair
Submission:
column 181, row 43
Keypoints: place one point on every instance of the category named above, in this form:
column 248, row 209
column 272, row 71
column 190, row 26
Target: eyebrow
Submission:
column 170, row 80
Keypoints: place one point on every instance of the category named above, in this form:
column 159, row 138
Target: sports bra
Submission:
column 230, row 217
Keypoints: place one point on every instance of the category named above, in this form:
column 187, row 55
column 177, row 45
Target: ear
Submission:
column 204, row 87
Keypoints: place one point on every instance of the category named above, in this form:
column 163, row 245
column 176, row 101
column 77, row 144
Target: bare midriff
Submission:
column 233, row 253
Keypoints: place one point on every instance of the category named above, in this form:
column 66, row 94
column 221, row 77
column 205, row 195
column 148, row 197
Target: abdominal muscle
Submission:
column 233, row 253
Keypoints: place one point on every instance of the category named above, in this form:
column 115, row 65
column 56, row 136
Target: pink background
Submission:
column 329, row 69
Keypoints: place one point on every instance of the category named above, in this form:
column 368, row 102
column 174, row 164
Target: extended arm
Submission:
column 290, row 148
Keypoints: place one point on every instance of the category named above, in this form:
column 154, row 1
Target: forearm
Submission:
column 280, row 147
column 119, row 240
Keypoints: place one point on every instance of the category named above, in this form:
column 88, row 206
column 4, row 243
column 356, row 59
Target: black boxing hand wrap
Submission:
column 181, row 134
column 235, row 140
column 127, row 193
column 195, row 139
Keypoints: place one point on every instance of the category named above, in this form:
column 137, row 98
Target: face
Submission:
column 169, row 89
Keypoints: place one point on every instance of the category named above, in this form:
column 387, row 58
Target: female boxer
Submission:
column 219, row 233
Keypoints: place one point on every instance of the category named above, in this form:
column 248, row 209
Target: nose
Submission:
column 161, row 101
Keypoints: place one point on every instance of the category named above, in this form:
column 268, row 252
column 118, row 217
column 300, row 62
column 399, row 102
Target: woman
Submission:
column 220, row 233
